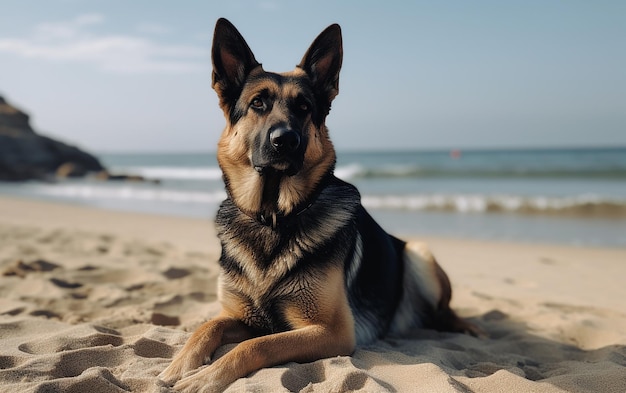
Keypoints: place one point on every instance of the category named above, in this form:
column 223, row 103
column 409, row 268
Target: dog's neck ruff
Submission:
column 275, row 219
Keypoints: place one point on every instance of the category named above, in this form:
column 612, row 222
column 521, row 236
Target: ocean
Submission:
column 564, row 196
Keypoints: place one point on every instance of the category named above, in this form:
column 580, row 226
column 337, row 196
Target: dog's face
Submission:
column 275, row 148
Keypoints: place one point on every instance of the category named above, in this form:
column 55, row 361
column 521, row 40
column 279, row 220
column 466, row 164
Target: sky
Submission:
column 134, row 76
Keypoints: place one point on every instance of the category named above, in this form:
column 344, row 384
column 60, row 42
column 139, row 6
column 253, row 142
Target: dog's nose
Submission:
column 284, row 140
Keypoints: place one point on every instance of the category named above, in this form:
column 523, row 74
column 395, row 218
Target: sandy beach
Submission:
column 99, row 301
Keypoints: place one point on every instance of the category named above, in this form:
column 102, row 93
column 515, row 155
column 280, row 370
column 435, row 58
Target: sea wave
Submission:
column 356, row 171
column 174, row 173
column 360, row 171
column 131, row 193
column 583, row 205
column 580, row 205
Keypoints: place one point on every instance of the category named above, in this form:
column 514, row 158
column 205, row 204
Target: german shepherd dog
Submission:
column 306, row 273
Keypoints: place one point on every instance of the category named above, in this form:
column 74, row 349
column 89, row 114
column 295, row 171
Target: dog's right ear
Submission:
column 232, row 62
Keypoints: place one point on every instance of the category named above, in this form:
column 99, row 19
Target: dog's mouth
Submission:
column 283, row 167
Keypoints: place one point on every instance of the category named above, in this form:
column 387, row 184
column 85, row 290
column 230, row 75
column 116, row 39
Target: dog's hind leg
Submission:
column 427, row 294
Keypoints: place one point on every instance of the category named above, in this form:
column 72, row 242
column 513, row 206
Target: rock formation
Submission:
column 26, row 155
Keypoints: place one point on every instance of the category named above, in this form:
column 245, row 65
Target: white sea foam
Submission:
column 130, row 193
column 348, row 172
column 581, row 204
column 180, row 173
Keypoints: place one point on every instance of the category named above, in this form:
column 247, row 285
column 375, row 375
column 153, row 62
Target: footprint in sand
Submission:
column 174, row 273
column 65, row 284
column 21, row 269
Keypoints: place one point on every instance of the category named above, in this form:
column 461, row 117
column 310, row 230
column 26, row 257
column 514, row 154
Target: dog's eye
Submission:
column 257, row 103
column 302, row 106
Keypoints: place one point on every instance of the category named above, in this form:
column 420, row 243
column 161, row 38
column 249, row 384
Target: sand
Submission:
column 98, row 301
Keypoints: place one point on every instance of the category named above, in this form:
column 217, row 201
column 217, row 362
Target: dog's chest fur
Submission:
column 266, row 267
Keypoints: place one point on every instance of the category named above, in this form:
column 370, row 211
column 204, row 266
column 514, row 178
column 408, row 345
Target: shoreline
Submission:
column 393, row 222
column 192, row 232
column 92, row 299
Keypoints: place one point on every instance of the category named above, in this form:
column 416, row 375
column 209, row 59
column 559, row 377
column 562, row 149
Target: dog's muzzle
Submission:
column 282, row 151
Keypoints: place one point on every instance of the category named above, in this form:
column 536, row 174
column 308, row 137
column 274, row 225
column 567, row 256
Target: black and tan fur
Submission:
column 306, row 273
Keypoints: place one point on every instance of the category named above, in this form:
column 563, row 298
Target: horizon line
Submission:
column 476, row 149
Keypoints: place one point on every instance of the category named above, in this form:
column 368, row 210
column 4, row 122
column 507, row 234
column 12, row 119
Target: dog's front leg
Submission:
column 203, row 343
column 323, row 326
column 302, row 345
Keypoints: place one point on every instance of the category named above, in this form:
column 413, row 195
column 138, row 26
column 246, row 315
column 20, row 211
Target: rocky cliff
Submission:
column 26, row 155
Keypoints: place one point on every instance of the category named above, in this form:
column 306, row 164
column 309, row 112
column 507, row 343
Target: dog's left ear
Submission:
column 322, row 63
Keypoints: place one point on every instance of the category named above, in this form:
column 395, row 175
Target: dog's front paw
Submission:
column 181, row 364
column 201, row 382
column 171, row 374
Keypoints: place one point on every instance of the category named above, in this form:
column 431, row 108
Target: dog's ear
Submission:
column 322, row 63
column 232, row 61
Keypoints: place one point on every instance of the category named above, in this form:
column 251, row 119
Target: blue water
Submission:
column 571, row 196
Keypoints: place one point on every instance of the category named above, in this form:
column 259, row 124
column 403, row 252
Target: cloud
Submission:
column 153, row 29
column 67, row 30
column 75, row 41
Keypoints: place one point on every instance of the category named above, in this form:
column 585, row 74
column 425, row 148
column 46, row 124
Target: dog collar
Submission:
column 275, row 219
